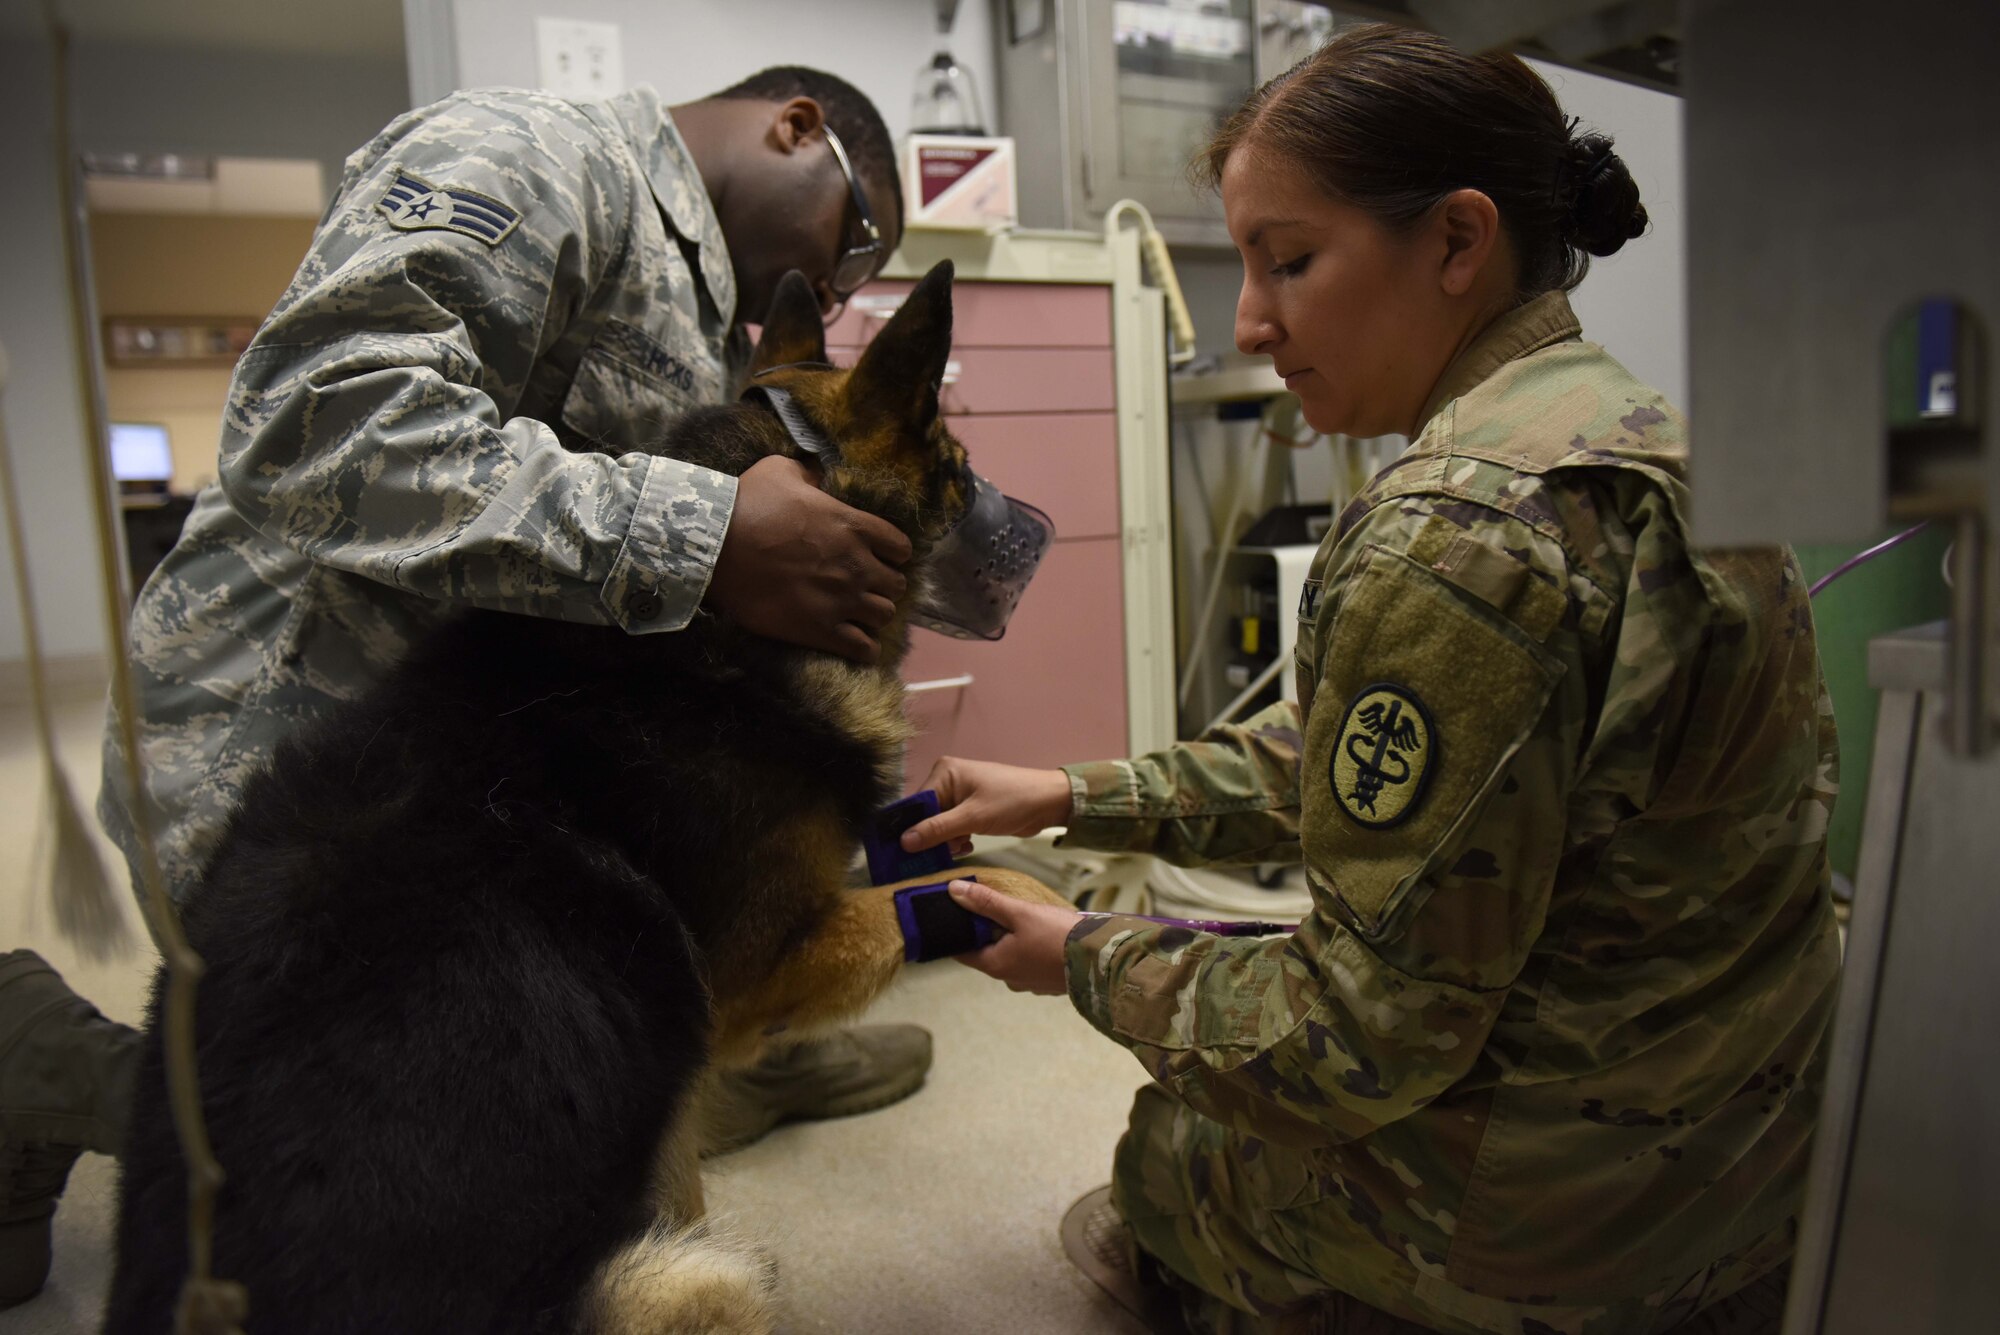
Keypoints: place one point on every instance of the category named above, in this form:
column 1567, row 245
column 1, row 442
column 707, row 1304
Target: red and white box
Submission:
column 959, row 182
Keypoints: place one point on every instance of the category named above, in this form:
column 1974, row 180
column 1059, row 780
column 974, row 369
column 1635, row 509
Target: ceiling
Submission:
column 372, row 28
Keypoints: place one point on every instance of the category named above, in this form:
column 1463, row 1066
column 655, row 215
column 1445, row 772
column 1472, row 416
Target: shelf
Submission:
column 1235, row 384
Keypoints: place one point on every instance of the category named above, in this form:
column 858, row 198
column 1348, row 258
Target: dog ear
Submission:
column 899, row 372
column 793, row 331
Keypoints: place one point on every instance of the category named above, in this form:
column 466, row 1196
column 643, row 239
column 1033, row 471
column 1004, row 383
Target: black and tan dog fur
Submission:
column 474, row 939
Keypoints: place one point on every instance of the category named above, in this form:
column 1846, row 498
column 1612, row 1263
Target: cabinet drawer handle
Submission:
column 941, row 684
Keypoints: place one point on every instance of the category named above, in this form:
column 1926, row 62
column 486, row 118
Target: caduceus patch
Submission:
column 1382, row 760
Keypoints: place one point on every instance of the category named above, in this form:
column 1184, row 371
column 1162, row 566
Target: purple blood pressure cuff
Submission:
column 934, row 925
column 887, row 862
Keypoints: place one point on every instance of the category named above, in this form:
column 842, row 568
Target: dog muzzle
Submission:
column 979, row 570
column 976, row 574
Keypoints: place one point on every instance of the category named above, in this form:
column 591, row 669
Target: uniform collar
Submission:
column 678, row 188
column 1527, row 328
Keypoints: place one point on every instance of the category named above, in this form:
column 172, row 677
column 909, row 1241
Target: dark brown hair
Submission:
column 1391, row 120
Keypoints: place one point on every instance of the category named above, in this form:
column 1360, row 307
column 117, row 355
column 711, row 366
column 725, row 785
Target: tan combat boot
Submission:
column 853, row 1071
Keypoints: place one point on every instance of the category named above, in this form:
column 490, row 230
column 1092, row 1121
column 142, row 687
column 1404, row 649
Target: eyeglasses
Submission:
column 857, row 264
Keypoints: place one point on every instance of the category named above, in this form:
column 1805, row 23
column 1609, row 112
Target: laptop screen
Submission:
column 140, row 452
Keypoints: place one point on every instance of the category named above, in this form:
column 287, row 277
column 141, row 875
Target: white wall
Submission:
column 1635, row 302
column 128, row 98
column 44, row 416
column 689, row 48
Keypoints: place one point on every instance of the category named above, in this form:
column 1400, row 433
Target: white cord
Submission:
column 1141, row 883
column 1221, row 891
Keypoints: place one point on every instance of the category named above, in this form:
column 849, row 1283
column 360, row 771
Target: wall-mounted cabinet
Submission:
column 1111, row 99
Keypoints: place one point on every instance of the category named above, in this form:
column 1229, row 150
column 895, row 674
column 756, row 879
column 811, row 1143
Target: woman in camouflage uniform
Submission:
column 1544, row 1056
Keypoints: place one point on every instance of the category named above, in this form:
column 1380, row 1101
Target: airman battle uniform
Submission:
column 1545, row 1055
column 504, row 282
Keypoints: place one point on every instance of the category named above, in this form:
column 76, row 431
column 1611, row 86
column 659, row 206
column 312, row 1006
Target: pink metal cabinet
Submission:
column 1014, row 380
column 1032, row 398
column 1066, row 463
column 1051, row 692
column 993, row 315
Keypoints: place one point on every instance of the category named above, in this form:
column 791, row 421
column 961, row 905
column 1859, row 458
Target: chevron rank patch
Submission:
column 1382, row 760
column 413, row 204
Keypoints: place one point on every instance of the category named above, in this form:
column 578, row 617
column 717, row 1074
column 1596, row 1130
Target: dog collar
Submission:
column 803, row 433
column 979, row 568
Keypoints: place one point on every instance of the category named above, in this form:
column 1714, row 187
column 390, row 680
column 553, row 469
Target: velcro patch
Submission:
column 1425, row 698
column 413, row 204
column 1497, row 579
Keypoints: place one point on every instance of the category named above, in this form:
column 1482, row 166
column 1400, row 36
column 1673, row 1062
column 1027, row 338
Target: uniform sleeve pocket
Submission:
column 1424, row 695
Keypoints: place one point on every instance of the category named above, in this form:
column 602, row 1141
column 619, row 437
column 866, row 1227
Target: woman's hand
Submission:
column 1029, row 958
column 980, row 797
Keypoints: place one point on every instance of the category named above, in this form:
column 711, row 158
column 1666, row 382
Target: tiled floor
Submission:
column 936, row 1215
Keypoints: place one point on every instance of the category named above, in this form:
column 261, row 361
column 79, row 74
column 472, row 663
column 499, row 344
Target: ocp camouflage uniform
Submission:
column 1545, row 1055
column 503, row 282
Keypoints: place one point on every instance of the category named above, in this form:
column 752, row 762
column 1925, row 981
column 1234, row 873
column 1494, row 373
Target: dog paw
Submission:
column 1017, row 884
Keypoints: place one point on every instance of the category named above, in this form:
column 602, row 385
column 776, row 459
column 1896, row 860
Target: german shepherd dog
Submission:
column 474, row 939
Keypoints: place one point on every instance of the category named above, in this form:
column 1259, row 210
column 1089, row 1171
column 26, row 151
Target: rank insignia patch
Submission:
column 415, row 205
column 1382, row 760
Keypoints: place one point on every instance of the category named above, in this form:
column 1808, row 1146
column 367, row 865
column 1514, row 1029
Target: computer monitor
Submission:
column 141, row 452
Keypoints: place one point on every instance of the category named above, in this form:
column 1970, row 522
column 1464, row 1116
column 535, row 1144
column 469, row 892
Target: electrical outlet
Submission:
column 578, row 58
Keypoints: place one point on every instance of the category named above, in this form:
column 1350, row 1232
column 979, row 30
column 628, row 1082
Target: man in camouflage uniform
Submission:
column 505, row 283
column 509, row 295
column 1545, row 1056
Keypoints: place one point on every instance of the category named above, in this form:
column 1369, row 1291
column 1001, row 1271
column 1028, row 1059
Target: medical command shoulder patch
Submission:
column 415, row 205
column 1382, row 758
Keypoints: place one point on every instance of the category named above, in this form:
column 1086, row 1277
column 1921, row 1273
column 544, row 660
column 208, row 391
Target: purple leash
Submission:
column 1868, row 555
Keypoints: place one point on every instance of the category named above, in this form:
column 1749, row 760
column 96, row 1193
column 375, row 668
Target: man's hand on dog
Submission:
column 1029, row 958
column 799, row 566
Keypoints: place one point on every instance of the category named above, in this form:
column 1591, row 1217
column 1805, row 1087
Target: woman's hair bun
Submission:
column 1392, row 121
column 1604, row 208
